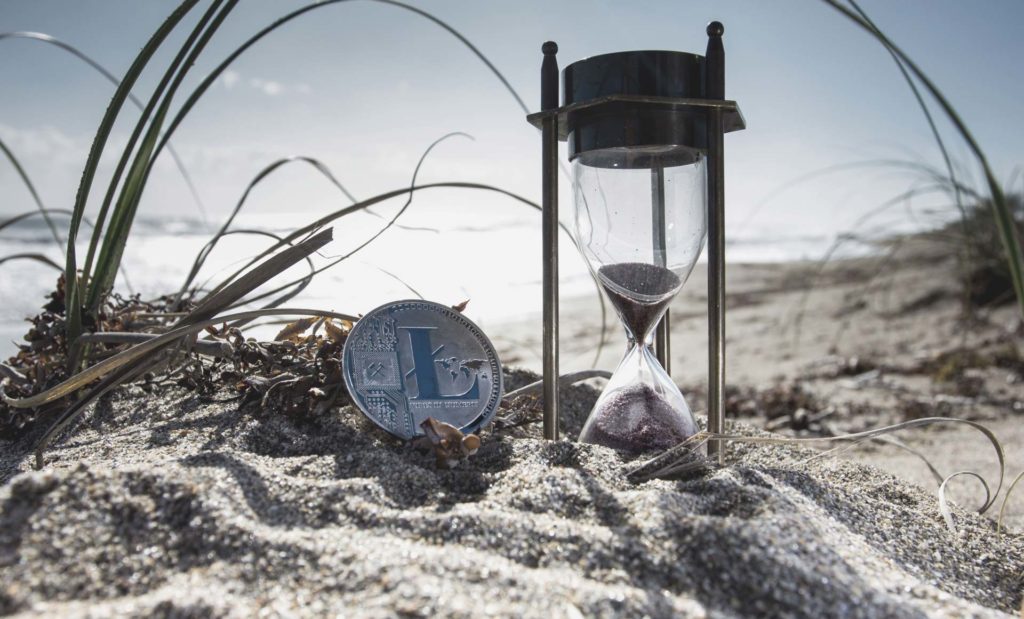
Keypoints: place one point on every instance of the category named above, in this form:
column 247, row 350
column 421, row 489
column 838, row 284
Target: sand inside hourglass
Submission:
column 642, row 409
column 640, row 293
column 635, row 419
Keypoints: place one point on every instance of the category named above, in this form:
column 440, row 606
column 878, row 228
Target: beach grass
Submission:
column 1003, row 216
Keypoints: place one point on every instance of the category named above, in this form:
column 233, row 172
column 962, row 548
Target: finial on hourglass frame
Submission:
column 715, row 62
column 549, row 76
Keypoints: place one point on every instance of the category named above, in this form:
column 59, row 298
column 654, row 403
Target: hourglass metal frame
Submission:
column 720, row 116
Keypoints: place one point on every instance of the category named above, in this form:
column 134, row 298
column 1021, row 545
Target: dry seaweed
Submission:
column 450, row 445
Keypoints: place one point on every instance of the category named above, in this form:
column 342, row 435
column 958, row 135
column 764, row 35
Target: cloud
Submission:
column 267, row 87
column 272, row 88
column 230, row 78
column 45, row 144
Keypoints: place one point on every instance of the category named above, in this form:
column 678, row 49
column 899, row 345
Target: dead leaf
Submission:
column 296, row 328
column 460, row 306
column 471, row 444
column 450, row 445
column 336, row 333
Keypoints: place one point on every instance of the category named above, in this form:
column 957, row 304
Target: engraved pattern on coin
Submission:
column 410, row 360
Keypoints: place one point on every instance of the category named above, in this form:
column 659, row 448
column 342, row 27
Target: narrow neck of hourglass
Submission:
column 642, row 330
column 640, row 294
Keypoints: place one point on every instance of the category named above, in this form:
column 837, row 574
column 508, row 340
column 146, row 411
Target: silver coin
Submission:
column 409, row 360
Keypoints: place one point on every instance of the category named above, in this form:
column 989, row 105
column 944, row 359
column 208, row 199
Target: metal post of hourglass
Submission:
column 715, row 89
column 662, row 338
column 549, row 234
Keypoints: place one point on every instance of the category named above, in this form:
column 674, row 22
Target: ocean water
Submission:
column 497, row 268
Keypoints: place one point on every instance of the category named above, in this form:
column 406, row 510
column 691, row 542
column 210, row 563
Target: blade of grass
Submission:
column 390, row 222
column 852, row 440
column 455, row 33
column 840, row 240
column 338, row 214
column 400, row 281
column 602, row 339
column 965, row 248
column 565, row 380
column 215, row 303
column 253, row 232
column 381, row 198
column 137, row 132
column 359, row 206
column 897, row 443
column 859, row 437
column 43, row 211
column 50, row 211
column 31, row 256
column 672, row 461
column 137, row 352
column 123, row 215
column 210, row 348
column 27, row 214
column 110, row 77
column 815, row 174
column 947, row 513
column 947, row 160
column 73, row 290
column 205, row 251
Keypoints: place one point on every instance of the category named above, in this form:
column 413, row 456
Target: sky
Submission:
column 366, row 87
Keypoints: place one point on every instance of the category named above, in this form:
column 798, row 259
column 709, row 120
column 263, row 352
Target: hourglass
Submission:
column 644, row 132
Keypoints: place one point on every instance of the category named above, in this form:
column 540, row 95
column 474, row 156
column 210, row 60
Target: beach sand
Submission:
column 170, row 505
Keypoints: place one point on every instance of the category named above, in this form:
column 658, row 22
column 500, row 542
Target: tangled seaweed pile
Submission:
column 298, row 373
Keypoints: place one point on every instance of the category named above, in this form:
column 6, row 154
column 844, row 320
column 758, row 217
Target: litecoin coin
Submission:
column 409, row 360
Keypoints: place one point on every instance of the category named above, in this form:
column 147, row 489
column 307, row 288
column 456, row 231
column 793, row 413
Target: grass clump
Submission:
column 1000, row 209
column 987, row 279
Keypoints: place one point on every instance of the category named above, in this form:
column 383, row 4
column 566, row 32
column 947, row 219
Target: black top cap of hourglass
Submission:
column 632, row 136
